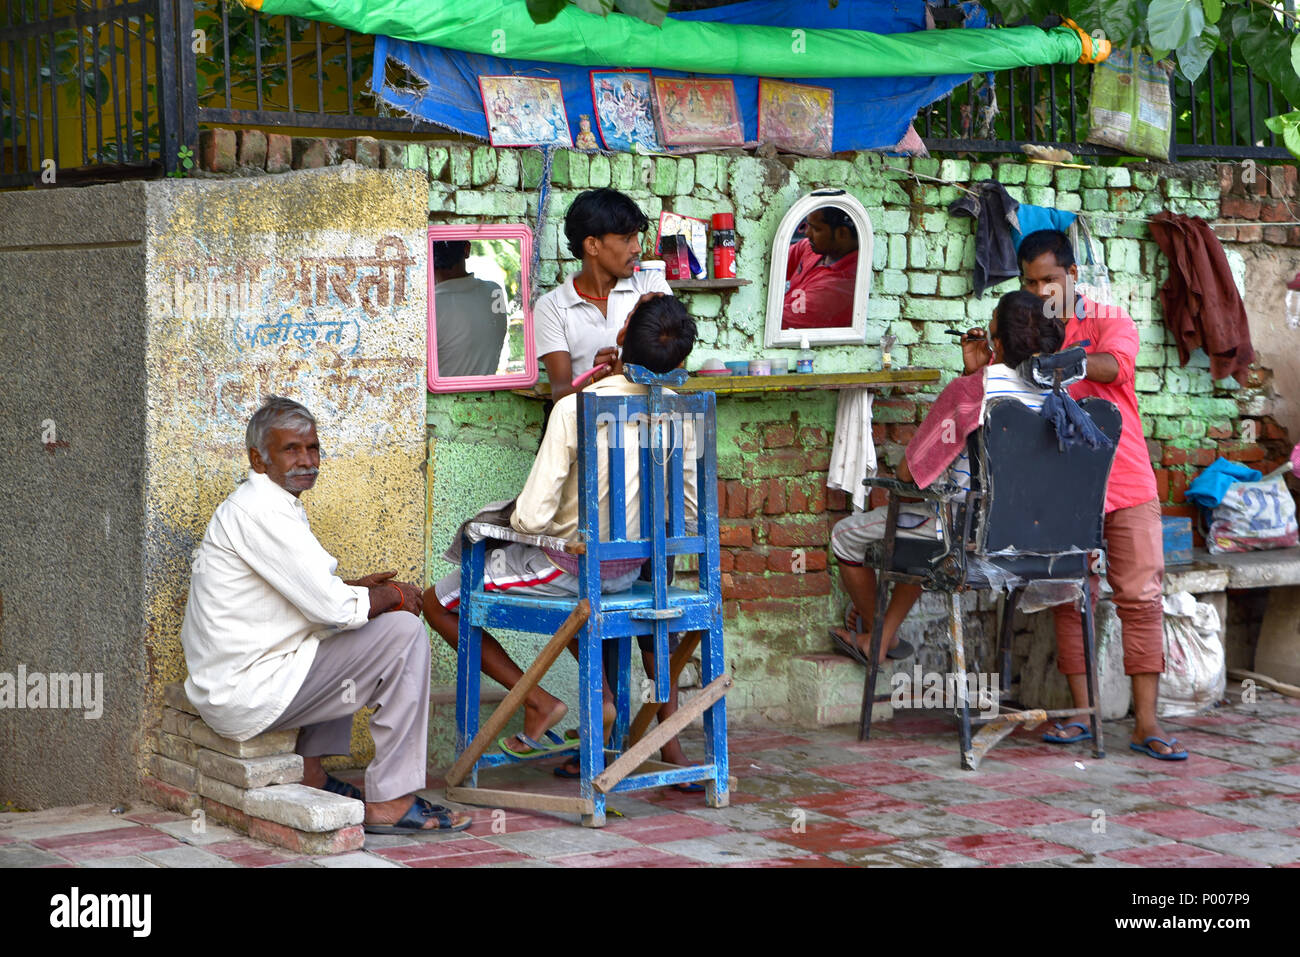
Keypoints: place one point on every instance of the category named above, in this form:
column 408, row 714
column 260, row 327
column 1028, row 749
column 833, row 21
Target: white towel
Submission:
column 853, row 453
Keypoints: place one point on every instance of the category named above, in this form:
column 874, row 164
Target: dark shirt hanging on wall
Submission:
column 994, row 213
column 1202, row 306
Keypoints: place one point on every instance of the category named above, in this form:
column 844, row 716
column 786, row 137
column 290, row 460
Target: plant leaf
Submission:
column 1171, row 23
column 544, row 11
column 598, row 7
column 1122, row 20
column 1213, row 10
column 1295, row 54
column 651, row 11
column 1196, row 52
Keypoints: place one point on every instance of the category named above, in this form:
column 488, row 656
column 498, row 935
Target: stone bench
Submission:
column 1276, row 652
column 251, row 786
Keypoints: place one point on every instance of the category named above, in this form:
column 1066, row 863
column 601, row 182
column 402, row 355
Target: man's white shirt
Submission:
column 565, row 322
column 263, row 593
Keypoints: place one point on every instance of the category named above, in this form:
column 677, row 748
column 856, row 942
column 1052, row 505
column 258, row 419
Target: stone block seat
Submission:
column 251, row 786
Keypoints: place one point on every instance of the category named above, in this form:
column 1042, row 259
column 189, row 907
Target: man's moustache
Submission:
column 295, row 473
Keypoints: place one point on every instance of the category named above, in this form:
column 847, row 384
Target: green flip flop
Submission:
column 537, row 749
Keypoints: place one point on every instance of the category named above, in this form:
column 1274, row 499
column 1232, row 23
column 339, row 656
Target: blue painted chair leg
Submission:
column 716, row 792
column 590, row 721
column 623, row 692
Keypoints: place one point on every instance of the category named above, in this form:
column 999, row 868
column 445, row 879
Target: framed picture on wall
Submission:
column 624, row 117
column 697, row 112
column 796, row 118
column 524, row 111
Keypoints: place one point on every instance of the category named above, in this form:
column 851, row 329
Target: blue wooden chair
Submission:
column 648, row 608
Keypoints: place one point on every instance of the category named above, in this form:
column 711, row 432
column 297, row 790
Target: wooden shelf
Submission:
column 792, row 382
column 689, row 284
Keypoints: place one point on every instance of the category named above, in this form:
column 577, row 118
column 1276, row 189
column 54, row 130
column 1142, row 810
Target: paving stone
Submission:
column 1267, row 846
column 174, row 772
column 376, row 841
column 272, row 742
column 1113, row 801
column 211, row 833
column 128, row 861
column 176, row 722
column 174, row 746
column 185, row 857
column 1261, row 756
column 1263, row 812
column 930, row 822
column 57, row 822
column 356, row 859
column 24, row 855
column 250, row 772
column 559, row 841
column 227, row 794
column 763, row 816
column 911, row 854
column 303, row 808
column 174, row 697
column 730, row 848
column 1081, row 836
column 941, row 792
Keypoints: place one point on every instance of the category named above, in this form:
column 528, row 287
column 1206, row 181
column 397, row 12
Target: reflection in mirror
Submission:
column 820, row 274
column 480, row 333
column 821, row 267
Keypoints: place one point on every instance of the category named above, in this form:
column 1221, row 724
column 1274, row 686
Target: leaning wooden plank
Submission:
column 648, row 710
column 652, row 742
column 1273, row 684
column 527, row 800
column 515, row 698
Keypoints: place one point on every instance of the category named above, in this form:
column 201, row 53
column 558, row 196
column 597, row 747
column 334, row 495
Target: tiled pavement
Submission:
column 821, row 799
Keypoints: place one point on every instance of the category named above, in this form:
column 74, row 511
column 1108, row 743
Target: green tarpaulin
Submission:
column 503, row 28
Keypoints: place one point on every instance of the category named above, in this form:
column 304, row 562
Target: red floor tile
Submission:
column 1026, row 782
column 1178, row 855
column 498, row 856
column 822, row 837
column 856, row 803
column 1215, row 720
column 93, row 837
column 1182, row 823
column 873, row 773
column 247, row 853
column 1017, row 812
column 627, row 857
column 1186, row 792
column 1291, row 719
column 890, row 750
column 665, row 827
column 790, row 862
column 489, row 821
column 137, row 845
column 1004, row 847
column 427, row 850
column 1196, row 765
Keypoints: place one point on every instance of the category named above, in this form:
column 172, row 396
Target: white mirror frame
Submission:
column 855, row 333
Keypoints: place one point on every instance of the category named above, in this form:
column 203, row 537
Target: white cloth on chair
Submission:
column 853, row 453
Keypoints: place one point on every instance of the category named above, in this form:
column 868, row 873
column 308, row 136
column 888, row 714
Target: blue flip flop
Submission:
column 1172, row 744
column 1084, row 733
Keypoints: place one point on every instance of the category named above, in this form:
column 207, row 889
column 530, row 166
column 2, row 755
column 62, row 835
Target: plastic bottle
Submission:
column 805, row 361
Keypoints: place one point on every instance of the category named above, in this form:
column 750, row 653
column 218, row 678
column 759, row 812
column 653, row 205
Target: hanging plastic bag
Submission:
column 1254, row 516
column 1195, row 675
column 1094, row 277
column 1130, row 107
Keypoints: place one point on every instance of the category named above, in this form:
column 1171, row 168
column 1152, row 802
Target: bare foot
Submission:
column 538, row 720
column 863, row 642
column 1142, row 734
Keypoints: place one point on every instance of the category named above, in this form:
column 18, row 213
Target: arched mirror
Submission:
column 821, row 272
column 480, row 323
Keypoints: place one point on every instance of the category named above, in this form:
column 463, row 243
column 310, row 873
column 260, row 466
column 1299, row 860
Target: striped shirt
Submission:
column 1000, row 382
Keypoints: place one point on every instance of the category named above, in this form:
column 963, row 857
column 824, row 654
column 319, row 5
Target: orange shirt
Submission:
column 1112, row 330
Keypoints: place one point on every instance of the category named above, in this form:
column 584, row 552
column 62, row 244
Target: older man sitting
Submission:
column 274, row 639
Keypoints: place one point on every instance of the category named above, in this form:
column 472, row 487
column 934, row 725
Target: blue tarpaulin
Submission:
column 870, row 113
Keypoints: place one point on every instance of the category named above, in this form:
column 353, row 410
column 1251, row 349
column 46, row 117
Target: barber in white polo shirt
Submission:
column 575, row 325
column 272, row 636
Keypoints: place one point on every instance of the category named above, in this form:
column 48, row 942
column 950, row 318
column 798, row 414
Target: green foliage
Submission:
column 1288, row 126
column 185, row 157
column 1231, row 34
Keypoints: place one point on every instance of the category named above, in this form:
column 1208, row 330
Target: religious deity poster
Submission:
column 624, row 118
column 796, row 118
column 524, row 111
column 697, row 112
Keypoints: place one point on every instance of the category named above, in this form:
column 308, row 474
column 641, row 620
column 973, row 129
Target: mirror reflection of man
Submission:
column 820, row 273
column 469, row 313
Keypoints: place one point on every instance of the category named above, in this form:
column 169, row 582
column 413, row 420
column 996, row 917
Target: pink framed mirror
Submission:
column 480, row 321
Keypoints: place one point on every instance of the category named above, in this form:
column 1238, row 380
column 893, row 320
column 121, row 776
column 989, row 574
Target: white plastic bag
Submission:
column 1195, row 671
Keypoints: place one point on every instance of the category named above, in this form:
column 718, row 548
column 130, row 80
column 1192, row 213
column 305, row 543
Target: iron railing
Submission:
column 90, row 90
column 108, row 89
column 1220, row 116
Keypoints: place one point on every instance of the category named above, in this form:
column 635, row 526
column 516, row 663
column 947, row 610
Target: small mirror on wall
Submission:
column 821, row 272
column 480, row 323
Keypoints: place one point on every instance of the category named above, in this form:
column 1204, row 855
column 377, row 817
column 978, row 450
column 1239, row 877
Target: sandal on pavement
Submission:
column 1085, row 734
column 1176, row 751
column 417, row 817
column 536, row 749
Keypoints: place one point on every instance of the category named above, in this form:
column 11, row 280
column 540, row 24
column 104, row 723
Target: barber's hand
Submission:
column 607, row 357
column 975, row 352
column 370, row 581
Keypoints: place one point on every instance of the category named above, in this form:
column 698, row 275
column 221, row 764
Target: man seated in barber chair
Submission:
column 658, row 336
column 1020, row 328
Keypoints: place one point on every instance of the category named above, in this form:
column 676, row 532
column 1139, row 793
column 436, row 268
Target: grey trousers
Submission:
column 384, row 664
